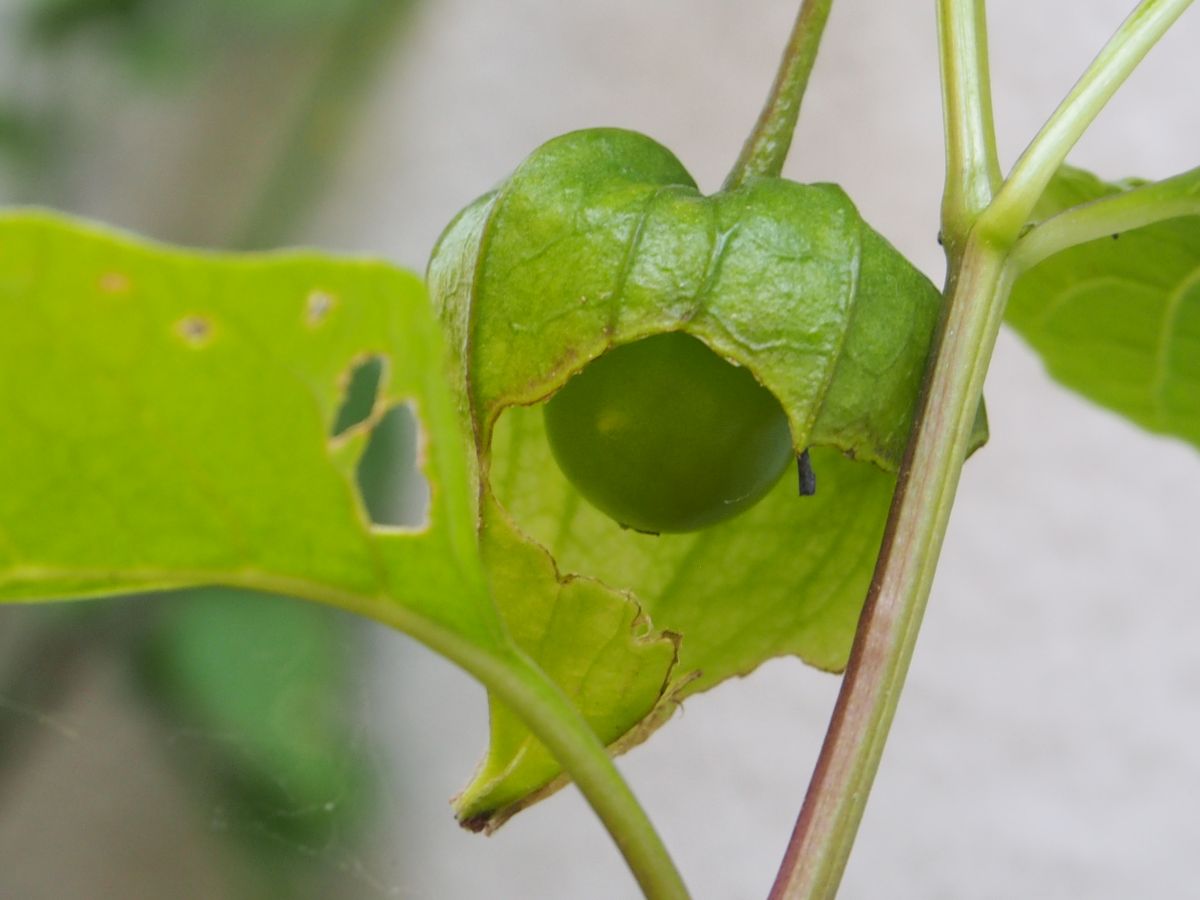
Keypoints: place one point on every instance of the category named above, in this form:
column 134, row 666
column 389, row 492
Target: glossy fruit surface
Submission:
column 663, row 435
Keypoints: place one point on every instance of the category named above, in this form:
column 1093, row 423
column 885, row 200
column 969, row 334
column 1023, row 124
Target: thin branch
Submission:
column 1124, row 211
column 548, row 713
column 1048, row 150
column 766, row 150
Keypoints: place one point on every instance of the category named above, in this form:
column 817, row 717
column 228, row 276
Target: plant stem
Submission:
column 972, row 164
column 883, row 646
column 1124, row 211
column 979, row 236
column 766, row 150
column 1014, row 203
column 521, row 685
column 558, row 725
column 976, row 291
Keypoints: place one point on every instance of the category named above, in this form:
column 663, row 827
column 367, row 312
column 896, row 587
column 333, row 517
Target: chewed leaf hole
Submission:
column 394, row 491
column 362, row 392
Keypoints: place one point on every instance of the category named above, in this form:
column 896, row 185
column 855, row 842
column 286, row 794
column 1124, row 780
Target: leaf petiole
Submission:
column 1124, row 211
column 766, row 149
column 1014, row 203
column 518, row 682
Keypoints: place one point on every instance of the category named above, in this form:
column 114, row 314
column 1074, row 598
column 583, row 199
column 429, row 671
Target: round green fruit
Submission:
column 663, row 435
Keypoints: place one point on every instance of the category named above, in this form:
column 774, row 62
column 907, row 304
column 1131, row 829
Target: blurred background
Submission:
column 225, row 746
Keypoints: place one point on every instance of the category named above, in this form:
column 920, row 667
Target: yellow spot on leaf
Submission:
column 114, row 283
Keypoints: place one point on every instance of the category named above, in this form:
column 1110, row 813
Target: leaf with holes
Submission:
column 175, row 419
column 1118, row 319
column 601, row 239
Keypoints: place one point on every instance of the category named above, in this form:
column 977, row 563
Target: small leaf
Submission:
column 170, row 417
column 601, row 238
column 1118, row 319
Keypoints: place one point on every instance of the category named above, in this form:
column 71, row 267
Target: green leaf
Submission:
column 1118, row 319
column 601, row 238
column 169, row 422
column 175, row 419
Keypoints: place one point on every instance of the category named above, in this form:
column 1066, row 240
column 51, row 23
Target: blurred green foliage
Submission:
column 259, row 686
column 21, row 137
column 59, row 59
column 52, row 21
column 170, row 39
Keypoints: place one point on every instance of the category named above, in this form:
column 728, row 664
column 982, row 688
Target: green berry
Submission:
column 663, row 435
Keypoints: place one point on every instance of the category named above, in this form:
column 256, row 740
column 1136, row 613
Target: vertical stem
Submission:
column 979, row 231
column 972, row 165
column 976, row 291
column 833, row 807
column 766, row 149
